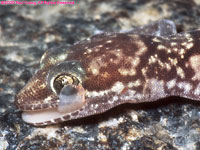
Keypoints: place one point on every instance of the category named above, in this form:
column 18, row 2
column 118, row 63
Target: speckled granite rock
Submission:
column 26, row 32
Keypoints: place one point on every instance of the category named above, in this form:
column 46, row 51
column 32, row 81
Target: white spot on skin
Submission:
column 132, row 96
column 190, row 39
column 185, row 86
column 167, row 66
column 189, row 46
column 97, row 50
column 152, row 60
column 62, row 118
column 131, row 92
column 62, row 57
column 184, row 44
column 173, row 61
column 134, row 37
column 175, row 49
column 42, row 86
column 95, row 71
column 114, row 99
column 100, row 46
column 155, row 59
column 180, row 72
column 171, row 84
column 173, row 44
column 155, row 39
column 157, row 88
column 142, row 48
column 169, row 50
column 161, row 47
column 134, row 61
column 125, row 72
column 96, row 106
column 110, row 41
column 144, row 71
column 89, row 51
column 117, row 87
column 96, row 94
column 194, row 62
column 52, row 120
column 134, row 84
column 181, row 51
column 96, row 64
column 131, row 71
column 48, row 99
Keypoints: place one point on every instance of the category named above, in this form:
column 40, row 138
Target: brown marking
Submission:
column 124, row 90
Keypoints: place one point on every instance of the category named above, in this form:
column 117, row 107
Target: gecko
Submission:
column 94, row 75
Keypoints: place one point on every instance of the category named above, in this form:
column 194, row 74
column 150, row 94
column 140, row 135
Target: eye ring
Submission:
column 62, row 80
column 68, row 72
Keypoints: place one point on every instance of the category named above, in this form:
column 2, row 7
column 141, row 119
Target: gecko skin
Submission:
column 95, row 75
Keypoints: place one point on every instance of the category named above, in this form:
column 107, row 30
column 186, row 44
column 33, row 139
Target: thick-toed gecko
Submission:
column 97, row 74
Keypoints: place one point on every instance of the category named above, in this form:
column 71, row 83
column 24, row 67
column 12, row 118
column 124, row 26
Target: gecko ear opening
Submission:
column 71, row 98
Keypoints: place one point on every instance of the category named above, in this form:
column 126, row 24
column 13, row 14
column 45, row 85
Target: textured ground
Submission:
column 26, row 32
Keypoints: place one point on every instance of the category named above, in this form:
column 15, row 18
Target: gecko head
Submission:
column 65, row 91
column 89, row 78
column 65, row 80
column 52, row 93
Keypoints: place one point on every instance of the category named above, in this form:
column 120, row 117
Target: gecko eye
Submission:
column 65, row 73
column 70, row 92
column 64, row 79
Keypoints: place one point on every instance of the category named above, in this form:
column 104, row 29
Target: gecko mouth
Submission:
column 41, row 115
column 71, row 98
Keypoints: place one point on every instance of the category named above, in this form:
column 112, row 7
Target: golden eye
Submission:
column 65, row 73
column 70, row 92
column 64, row 79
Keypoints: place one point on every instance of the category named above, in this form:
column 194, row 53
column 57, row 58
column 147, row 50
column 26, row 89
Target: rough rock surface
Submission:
column 27, row 31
